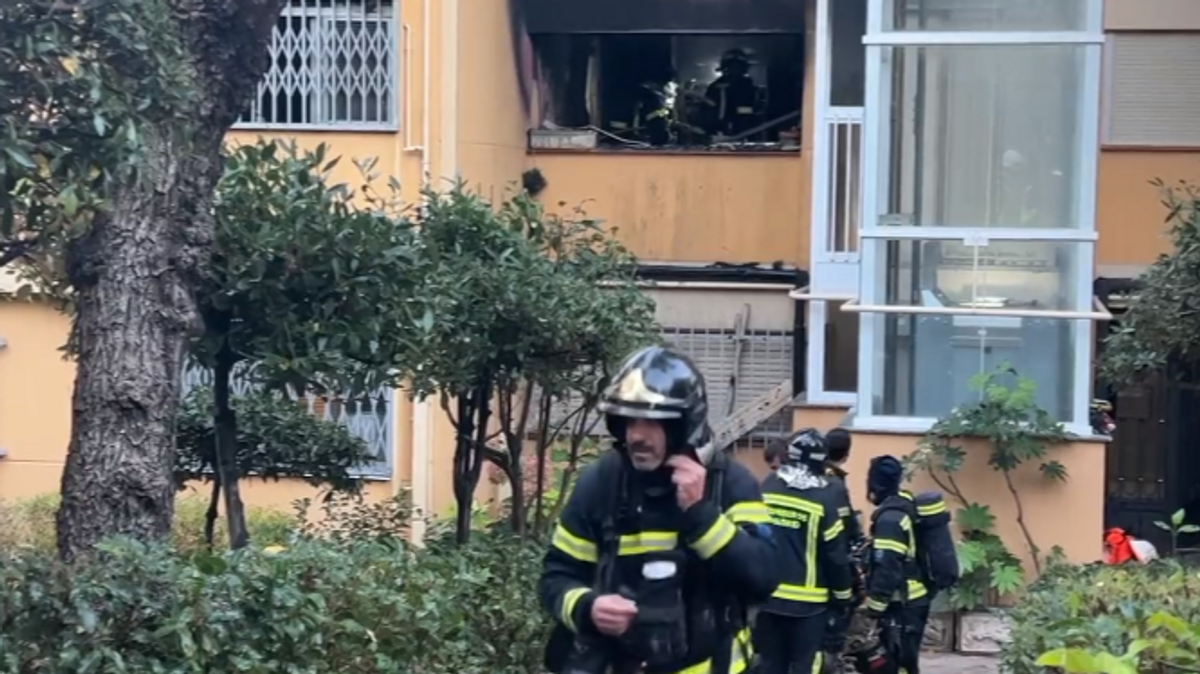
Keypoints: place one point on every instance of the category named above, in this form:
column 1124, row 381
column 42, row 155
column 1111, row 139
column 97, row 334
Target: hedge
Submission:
column 1096, row 608
column 324, row 603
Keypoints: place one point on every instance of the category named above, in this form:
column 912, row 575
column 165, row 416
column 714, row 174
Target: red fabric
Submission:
column 1118, row 546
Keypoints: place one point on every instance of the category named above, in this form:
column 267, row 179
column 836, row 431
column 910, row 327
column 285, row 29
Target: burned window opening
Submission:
column 662, row 91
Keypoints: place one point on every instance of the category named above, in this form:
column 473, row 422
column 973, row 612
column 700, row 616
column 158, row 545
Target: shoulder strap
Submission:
column 610, row 539
column 714, row 486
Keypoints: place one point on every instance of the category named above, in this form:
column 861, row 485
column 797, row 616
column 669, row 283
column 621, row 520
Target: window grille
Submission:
column 333, row 64
column 765, row 360
column 366, row 416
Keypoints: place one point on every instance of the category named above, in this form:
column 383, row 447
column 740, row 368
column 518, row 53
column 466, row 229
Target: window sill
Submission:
column 348, row 127
column 669, row 152
column 914, row 426
column 1104, row 147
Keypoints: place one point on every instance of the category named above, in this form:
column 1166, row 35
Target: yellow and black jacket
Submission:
column 810, row 540
column 894, row 576
column 731, row 558
column 845, row 509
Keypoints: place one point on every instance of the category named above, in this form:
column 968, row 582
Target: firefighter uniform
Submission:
column 895, row 593
column 625, row 520
column 845, row 509
column 813, row 562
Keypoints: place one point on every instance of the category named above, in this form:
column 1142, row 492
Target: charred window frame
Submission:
column 636, row 75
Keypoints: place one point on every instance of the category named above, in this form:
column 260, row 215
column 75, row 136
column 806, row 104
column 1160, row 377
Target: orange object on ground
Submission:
column 1118, row 546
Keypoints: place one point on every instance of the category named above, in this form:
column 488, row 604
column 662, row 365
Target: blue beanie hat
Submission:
column 884, row 476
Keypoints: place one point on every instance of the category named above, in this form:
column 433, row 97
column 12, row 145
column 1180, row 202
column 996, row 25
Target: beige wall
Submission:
column 1151, row 15
column 1129, row 210
column 35, row 413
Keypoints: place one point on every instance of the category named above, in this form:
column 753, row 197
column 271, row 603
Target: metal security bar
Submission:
column 366, row 416
column 738, row 368
column 845, row 178
column 334, row 64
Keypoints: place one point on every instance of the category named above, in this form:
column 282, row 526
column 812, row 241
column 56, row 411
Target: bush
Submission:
column 1097, row 608
column 346, row 594
column 28, row 524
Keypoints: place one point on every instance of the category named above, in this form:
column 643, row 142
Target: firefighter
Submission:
column 774, row 455
column 663, row 544
column 837, row 442
column 896, row 597
column 645, row 115
column 813, row 564
column 734, row 98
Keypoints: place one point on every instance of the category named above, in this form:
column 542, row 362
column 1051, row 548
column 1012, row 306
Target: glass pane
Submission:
column 841, row 349
column 985, row 136
column 987, row 15
column 1019, row 275
column 928, row 361
column 847, row 55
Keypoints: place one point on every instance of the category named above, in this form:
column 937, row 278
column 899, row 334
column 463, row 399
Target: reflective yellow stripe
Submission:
column 844, row 595
column 574, row 546
column 647, row 541
column 801, row 593
column 893, row 546
column 876, row 605
column 569, row 600
column 782, row 505
column 927, row 509
column 843, row 512
column 743, row 652
column 818, row 662
column 749, row 512
column 716, row 538
column 833, row 531
column 739, row 659
column 916, row 589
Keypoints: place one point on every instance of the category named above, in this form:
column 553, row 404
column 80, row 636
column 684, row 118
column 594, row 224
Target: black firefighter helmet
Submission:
column 662, row 384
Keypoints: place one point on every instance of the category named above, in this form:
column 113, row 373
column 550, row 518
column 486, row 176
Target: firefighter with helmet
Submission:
column 734, row 99
column 807, row 613
column 663, row 544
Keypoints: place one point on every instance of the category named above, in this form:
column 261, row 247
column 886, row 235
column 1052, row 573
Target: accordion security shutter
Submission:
column 701, row 323
column 1154, row 89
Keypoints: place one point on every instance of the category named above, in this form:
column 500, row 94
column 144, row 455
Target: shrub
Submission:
column 315, row 607
column 28, row 524
column 1097, row 608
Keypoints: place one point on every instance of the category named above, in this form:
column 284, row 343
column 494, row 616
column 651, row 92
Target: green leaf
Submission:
column 1070, row 660
column 1177, row 517
column 1007, row 579
column 21, row 157
column 1162, row 525
column 1189, row 529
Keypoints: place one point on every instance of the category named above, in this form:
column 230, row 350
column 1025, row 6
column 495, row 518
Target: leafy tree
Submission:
column 525, row 309
column 277, row 437
column 1163, row 324
column 114, row 113
column 310, row 289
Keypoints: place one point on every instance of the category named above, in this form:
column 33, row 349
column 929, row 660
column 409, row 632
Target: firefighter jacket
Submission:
column 730, row 556
column 893, row 576
column 810, row 539
column 845, row 509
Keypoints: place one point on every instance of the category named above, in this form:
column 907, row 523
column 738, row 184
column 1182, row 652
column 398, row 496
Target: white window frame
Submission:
column 327, row 18
column 873, row 234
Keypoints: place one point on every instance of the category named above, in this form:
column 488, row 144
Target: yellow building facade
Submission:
column 889, row 126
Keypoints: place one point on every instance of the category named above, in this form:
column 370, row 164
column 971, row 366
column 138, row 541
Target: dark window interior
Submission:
column 662, row 90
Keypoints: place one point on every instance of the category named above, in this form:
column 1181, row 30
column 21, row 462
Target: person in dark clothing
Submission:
column 837, row 443
column 895, row 594
column 734, row 98
column 814, row 567
column 663, row 544
column 774, row 454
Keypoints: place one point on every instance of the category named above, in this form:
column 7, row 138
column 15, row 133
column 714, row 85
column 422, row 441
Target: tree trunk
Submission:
column 133, row 275
column 226, row 452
